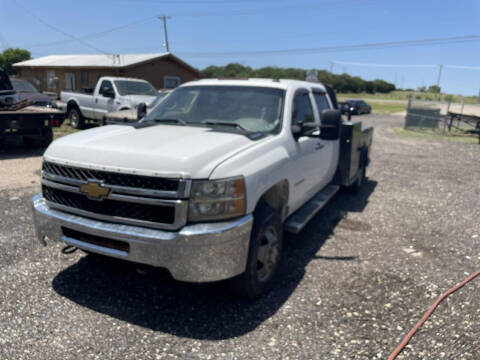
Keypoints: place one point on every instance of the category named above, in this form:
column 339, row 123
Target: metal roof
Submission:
column 94, row 60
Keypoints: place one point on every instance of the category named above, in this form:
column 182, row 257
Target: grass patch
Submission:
column 66, row 129
column 387, row 108
column 403, row 95
column 429, row 134
column 63, row 130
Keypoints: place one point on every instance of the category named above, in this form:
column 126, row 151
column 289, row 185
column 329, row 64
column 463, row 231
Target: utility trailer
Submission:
column 19, row 118
column 33, row 123
column 471, row 120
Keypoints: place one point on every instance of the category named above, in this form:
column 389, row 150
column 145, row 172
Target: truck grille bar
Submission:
column 174, row 188
column 130, row 199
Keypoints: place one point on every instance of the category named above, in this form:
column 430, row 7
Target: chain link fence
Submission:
column 443, row 118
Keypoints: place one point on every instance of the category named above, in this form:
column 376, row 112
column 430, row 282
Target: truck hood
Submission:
column 137, row 99
column 160, row 150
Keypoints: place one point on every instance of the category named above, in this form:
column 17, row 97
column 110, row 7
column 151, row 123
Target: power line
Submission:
column 366, row 46
column 97, row 34
column 466, row 67
column 59, row 30
column 462, row 67
column 267, row 11
column 385, row 65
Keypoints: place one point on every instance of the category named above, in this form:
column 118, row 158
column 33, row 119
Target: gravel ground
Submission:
column 352, row 284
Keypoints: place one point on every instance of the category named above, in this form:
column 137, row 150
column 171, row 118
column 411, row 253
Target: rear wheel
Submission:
column 263, row 256
column 76, row 119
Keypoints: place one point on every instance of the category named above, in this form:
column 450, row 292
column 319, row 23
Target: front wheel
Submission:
column 76, row 119
column 264, row 254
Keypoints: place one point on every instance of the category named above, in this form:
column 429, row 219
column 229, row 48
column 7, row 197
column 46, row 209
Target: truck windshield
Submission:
column 23, row 86
column 245, row 108
column 128, row 87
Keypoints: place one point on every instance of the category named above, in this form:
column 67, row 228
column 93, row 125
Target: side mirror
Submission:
column 109, row 93
column 297, row 130
column 141, row 110
column 301, row 129
column 331, row 122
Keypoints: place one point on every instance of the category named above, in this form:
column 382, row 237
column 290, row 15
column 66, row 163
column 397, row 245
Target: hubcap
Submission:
column 268, row 253
column 73, row 118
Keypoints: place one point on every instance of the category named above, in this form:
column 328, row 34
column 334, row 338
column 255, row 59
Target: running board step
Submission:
column 297, row 221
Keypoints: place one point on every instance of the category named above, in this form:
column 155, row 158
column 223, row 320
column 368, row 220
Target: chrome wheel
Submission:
column 268, row 254
column 74, row 118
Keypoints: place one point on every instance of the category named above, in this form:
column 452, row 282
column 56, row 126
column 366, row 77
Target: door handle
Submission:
column 319, row 146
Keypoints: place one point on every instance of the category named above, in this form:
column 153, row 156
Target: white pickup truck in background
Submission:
column 206, row 184
column 110, row 94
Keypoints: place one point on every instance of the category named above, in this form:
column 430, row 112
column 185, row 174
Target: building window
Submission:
column 84, row 78
column 171, row 82
column 51, row 80
column 69, row 81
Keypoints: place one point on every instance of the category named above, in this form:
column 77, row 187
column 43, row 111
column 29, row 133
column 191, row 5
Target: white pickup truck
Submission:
column 207, row 183
column 110, row 94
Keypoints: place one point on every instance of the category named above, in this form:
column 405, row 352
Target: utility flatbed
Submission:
column 33, row 123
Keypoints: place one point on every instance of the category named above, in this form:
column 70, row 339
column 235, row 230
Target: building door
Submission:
column 70, row 81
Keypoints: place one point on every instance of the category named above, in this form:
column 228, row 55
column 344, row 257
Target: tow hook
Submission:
column 69, row 249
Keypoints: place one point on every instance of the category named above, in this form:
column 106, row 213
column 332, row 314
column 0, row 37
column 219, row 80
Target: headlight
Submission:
column 216, row 199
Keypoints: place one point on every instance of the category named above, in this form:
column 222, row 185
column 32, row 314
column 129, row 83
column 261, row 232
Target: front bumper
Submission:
column 195, row 253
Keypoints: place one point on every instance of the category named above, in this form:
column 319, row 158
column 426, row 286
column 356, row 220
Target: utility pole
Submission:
column 440, row 67
column 164, row 19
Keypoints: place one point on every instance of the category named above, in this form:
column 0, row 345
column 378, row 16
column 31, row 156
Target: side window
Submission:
column 106, row 85
column 322, row 102
column 171, row 82
column 302, row 109
column 84, row 79
column 51, row 79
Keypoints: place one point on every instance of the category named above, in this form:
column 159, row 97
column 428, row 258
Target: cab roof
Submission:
column 284, row 84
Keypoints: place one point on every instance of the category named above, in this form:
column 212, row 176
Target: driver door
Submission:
column 103, row 104
column 303, row 153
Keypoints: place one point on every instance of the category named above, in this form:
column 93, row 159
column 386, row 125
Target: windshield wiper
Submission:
column 225, row 123
column 178, row 121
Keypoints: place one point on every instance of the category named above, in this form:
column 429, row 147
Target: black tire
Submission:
column 267, row 233
column 30, row 142
column 47, row 136
column 44, row 141
column 75, row 117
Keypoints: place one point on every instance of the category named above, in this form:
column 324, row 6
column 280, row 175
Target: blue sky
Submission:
column 212, row 26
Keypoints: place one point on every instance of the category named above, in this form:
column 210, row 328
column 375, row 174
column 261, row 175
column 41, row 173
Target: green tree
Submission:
column 435, row 89
column 11, row 56
column 383, row 86
column 341, row 83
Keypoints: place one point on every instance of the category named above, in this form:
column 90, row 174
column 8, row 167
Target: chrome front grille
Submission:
column 173, row 187
column 131, row 199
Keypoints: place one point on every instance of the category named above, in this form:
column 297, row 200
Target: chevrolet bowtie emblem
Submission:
column 94, row 190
